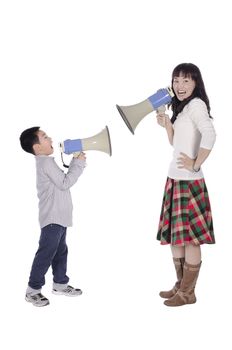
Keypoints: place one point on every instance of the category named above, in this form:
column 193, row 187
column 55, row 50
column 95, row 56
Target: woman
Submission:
column 185, row 220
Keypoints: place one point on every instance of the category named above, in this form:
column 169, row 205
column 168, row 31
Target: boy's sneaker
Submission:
column 68, row 291
column 37, row 299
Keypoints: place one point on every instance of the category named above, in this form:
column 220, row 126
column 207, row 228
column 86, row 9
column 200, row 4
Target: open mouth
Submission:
column 181, row 93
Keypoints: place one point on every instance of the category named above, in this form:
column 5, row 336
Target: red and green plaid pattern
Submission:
column 185, row 214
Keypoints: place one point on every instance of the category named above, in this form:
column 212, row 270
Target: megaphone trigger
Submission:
column 161, row 109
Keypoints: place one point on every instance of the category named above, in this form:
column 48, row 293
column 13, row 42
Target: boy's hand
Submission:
column 79, row 155
column 82, row 156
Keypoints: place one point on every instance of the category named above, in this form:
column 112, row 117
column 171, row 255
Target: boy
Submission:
column 55, row 215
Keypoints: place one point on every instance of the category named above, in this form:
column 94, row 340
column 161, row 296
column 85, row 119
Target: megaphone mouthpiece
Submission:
column 161, row 97
column 72, row 146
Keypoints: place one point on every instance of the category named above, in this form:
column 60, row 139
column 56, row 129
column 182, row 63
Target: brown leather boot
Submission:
column 179, row 264
column 186, row 295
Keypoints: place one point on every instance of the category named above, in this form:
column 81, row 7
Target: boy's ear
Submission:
column 36, row 148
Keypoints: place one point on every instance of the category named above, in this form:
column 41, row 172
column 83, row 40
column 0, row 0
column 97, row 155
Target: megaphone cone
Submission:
column 132, row 115
column 99, row 142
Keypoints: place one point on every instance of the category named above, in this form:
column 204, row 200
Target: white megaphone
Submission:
column 99, row 142
column 132, row 115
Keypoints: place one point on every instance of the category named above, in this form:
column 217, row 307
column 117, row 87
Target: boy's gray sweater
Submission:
column 55, row 202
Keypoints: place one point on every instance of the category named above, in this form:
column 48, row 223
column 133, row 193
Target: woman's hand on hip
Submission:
column 185, row 162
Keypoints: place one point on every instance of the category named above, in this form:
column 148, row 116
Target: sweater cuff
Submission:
column 80, row 162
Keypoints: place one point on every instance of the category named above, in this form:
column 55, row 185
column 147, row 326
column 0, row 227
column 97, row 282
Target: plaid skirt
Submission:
column 186, row 214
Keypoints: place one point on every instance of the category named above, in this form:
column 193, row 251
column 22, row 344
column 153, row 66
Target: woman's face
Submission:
column 183, row 87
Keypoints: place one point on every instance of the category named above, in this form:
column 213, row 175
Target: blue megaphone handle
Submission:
column 71, row 146
column 161, row 97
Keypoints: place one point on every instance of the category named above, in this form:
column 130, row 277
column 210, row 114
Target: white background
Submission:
column 63, row 66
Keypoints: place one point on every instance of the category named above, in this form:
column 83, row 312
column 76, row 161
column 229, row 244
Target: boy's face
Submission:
column 44, row 147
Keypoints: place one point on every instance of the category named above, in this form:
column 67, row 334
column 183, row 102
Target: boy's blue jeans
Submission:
column 52, row 251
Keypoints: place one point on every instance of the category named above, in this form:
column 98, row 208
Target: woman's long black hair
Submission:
column 192, row 71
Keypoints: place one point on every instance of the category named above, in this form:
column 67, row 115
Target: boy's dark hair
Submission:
column 189, row 70
column 28, row 138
